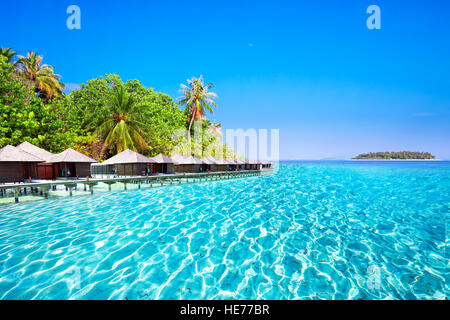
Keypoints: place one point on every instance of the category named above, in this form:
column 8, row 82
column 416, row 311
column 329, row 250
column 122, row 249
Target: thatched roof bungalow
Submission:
column 219, row 164
column 45, row 170
column 187, row 164
column 163, row 164
column 71, row 163
column 17, row 165
column 126, row 163
column 266, row 165
column 208, row 163
column 252, row 165
column 240, row 164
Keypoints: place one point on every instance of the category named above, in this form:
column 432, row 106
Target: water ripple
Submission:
column 308, row 232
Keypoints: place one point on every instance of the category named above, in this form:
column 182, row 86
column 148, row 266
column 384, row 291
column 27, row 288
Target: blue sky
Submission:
column 312, row 69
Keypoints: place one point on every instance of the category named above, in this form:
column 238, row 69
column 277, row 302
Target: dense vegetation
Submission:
column 104, row 116
column 402, row 155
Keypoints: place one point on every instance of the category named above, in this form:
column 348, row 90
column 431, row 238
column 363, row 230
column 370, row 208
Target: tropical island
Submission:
column 401, row 155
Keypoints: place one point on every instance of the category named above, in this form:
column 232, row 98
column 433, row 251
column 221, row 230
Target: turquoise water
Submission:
column 314, row 230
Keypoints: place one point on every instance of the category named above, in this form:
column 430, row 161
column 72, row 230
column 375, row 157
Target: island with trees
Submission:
column 102, row 116
column 402, row 155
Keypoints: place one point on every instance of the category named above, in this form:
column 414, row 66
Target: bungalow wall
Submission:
column 187, row 168
column 71, row 169
column 102, row 171
column 83, row 169
column 17, row 171
column 249, row 166
column 219, row 167
column 162, row 168
column 45, row 171
column 131, row 169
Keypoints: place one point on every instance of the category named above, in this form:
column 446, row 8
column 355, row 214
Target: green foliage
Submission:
column 123, row 128
column 402, row 155
column 87, row 109
column 9, row 53
column 46, row 82
column 24, row 117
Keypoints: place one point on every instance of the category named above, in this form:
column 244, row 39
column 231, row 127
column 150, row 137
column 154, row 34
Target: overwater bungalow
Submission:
column 17, row 165
column 126, row 163
column 198, row 164
column 220, row 165
column 231, row 166
column 44, row 169
column 163, row 164
column 252, row 165
column 208, row 163
column 71, row 163
column 240, row 164
column 187, row 164
column 266, row 165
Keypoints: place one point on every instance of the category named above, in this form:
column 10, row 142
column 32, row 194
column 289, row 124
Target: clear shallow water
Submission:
column 318, row 230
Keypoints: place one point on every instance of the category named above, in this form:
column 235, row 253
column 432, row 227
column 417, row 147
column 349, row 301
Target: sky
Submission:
column 311, row 69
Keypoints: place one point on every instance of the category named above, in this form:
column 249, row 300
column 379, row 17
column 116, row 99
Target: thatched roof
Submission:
column 230, row 161
column 128, row 156
column 70, row 155
column 221, row 161
column 35, row 151
column 208, row 160
column 193, row 160
column 13, row 154
column 180, row 159
column 160, row 158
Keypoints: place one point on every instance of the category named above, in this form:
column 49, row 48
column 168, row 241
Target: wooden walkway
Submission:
column 43, row 187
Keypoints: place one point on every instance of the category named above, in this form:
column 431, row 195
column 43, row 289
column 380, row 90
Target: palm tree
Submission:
column 123, row 128
column 196, row 98
column 45, row 81
column 9, row 53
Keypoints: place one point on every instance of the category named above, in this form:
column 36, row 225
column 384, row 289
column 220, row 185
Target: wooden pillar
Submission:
column 16, row 195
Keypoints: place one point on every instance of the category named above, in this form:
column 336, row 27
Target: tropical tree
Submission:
column 123, row 128
column 197, row 98
column 216, row 129
column 24, row 116
column 45, row 80
column 9, row 53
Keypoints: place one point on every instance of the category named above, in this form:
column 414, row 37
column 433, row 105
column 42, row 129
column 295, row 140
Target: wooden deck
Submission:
column 43, row 187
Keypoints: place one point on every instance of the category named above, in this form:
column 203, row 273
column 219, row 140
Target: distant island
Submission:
column 402, row 155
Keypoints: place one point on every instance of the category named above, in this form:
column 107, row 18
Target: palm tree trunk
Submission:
column 190, row 125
